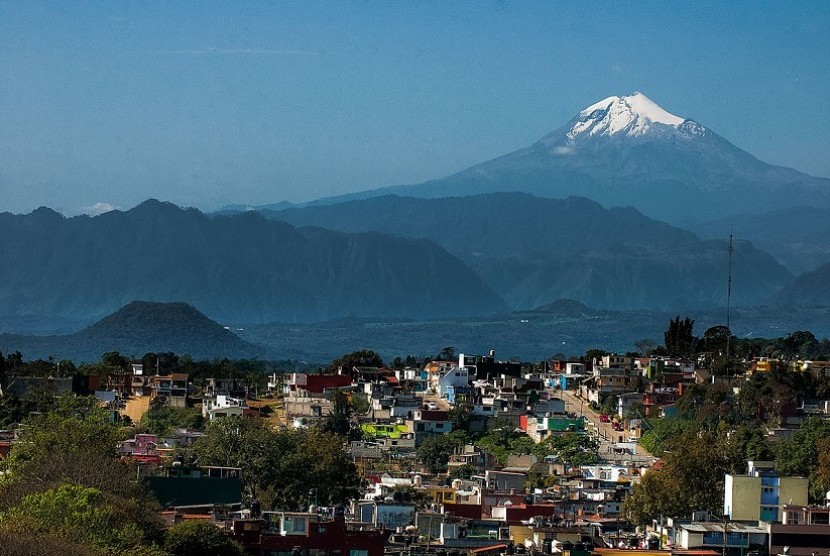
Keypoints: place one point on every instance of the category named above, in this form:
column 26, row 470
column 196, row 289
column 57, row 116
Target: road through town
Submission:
column 608, row 437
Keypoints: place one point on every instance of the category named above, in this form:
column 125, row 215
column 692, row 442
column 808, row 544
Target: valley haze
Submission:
column 480, row 243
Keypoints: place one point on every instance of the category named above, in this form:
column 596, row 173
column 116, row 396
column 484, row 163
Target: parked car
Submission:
column 617, row 426
column 604, row 418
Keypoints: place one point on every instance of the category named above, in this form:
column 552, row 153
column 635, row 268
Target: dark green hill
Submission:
column 532, row 250
column 136, row 329
column 240, row 268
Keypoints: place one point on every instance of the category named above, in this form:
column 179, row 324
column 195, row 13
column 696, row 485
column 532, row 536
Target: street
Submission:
column 603, row 432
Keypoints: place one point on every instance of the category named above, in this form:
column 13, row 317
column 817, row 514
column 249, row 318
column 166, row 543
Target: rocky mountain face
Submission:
column 627, row 151
column 533, row 251
column 240, row 268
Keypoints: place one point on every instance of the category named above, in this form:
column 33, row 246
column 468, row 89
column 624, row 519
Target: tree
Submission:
column 339, row 420
column 278, row 466
column 460, row 416
column 76, row 444
column 592, row 354
column 610, row 404
column 645, row 346
column 114, row 362
column 503, row 440
column 572, row 448
column 661, row 432
column 161, row 418
column 820, row 475
column 801, row 344
column 692, row 478
column 678, row 337
column 312, row 457
column 197, row 538
column 83, row 513
column 446, row 354
column 359, row 358
column 246, row 443
column 716, row 338
column 435, row 451
column 799, row 454
column 64, row 433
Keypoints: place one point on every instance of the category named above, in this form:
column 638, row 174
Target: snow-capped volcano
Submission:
column 627, row 150
column 632, row 115
column 631, row 118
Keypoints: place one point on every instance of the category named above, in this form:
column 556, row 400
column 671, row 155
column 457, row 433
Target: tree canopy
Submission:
column 279, row 466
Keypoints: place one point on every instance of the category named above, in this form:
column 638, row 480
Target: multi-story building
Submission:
column 805, row 530
column 173, row 387
column 762, row 493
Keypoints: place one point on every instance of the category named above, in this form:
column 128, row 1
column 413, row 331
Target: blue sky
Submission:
column 207, row 104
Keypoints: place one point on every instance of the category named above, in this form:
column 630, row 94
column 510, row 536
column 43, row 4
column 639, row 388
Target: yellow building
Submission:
column 761, row 493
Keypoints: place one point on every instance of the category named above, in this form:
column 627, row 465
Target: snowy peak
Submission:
column 629, row 116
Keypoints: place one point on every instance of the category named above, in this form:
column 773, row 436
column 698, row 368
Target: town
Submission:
column 700, row 447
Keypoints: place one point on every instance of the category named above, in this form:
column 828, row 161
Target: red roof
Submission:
column 319, row 383
column 434, row 415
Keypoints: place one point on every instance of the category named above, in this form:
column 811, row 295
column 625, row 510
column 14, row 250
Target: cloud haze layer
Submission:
column 221, row 103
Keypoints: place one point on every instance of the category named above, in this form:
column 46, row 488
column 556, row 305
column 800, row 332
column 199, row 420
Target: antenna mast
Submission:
column 729, row 250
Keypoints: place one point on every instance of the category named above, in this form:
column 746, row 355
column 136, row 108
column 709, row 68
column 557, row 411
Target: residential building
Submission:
column 173, row 387
column 310, row 534
column 222, row 406
column 762, row 493
column 805, row 530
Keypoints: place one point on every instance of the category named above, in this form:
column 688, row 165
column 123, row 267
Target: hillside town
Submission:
column 463, row 454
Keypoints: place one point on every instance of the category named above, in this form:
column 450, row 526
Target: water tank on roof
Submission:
column 417, row 480
column 456, row 484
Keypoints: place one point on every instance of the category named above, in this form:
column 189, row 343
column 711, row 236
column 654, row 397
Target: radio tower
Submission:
column 729, row 250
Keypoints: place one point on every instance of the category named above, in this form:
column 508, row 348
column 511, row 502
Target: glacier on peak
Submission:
column 631, row 115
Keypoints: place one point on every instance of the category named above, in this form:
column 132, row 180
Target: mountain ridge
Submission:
column 678, row 173
column 534, row 250
column 240, row 268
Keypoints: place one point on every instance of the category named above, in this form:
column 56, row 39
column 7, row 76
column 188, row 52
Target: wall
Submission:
column 742, row 498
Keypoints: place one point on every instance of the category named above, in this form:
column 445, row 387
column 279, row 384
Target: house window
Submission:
column 354, row 552
column 819, row 518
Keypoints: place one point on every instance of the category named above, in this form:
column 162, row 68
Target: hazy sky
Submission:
column 208, row 104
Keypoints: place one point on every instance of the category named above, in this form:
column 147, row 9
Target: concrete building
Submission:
column 762, row 493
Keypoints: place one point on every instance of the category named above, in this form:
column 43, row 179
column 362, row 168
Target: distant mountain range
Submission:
column 628, row 151
column 811, row 289
column 533, row 251
column 240, row 268
column 511, row 234
column 798, row 238
column 136, row 329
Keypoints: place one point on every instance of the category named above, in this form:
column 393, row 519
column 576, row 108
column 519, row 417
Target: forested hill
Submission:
column 240, row 268
column 138, row 328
